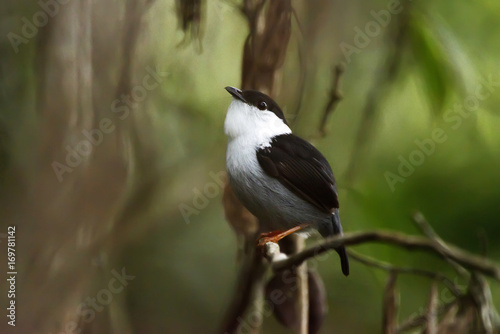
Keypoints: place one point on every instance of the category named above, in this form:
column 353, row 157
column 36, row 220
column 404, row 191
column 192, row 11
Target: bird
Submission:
column 279, row 177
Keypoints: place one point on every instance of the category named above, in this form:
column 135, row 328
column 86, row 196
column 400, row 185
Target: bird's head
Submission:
column 254, row 114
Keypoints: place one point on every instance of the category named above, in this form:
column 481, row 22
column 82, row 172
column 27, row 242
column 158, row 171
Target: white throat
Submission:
column 252, row 127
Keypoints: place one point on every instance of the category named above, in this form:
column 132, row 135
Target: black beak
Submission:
column 236, row 93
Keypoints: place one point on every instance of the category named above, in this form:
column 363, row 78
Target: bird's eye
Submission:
column 262, row 105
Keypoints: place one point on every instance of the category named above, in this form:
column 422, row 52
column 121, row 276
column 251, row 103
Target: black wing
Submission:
column 301, row 168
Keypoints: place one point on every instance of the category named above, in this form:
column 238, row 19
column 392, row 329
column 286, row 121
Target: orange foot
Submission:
column 275, row 236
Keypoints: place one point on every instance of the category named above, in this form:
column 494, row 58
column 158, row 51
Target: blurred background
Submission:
column 112, row 150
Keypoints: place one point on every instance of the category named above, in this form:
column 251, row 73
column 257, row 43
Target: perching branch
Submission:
column 279, row 261
column 479, row 299
column 464, row 258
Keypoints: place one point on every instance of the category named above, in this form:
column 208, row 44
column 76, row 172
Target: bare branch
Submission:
column 464, row 258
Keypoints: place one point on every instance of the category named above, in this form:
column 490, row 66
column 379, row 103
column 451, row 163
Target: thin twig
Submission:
column 401, row 270
column 389, row 321
column 481, row 294
column 335, row 97
column 431, row 315
column 421, row 319
column 303, row 291
column 426, row 228
column 466, row 259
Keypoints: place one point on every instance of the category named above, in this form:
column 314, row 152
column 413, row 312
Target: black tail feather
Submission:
column 344, row 261
column 337, row 229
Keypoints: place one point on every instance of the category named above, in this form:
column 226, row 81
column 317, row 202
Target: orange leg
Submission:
column 275, row 236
